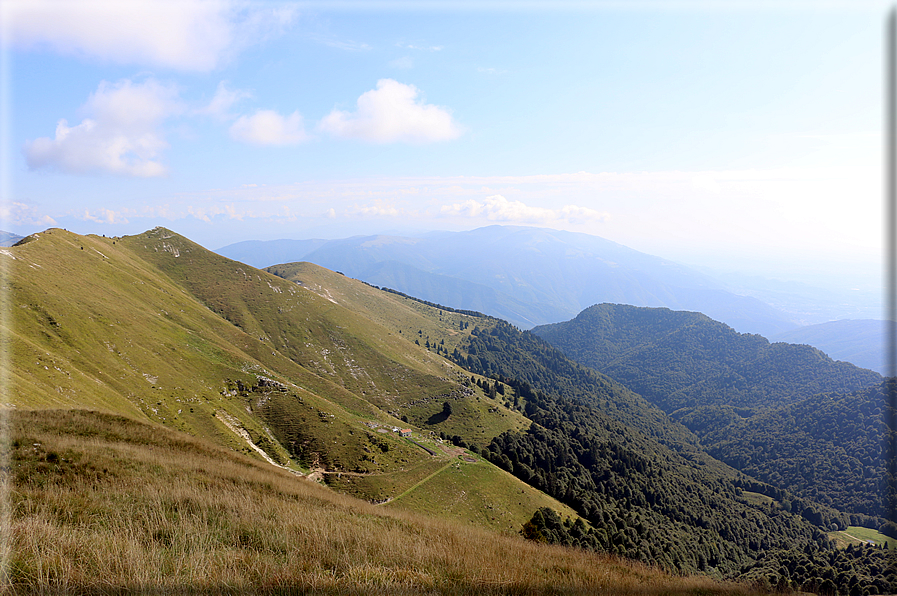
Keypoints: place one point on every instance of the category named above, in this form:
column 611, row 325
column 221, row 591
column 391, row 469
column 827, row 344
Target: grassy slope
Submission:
column 105, row 503
column 125, row 326
column 478, row 419
column 859, row 535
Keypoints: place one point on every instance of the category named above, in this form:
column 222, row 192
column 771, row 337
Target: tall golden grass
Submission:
column 102, row 504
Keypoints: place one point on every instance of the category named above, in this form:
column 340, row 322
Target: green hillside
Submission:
column 157, row 328
column 784, row 414
column 105, row 504
column 828, row 448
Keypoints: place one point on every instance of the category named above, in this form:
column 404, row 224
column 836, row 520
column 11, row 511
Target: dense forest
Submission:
column 785, row 414
column 646, row 489
column 502, row 350
column 683, row 361
column 644, row 496
column 645, row 502
column 827, row 448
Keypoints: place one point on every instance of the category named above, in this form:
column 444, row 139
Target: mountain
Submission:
column 686, row 361
column 828, row 447
column 784, row 414
column 528, row 276
column 8, row 238
column 312, row 372
column 861, row 342
column 161, row 330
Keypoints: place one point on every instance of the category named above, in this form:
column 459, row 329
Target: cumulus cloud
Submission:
column 121, row 133
column 193, row 35
column 498, row 208
column 267, row 127
column 393, row 113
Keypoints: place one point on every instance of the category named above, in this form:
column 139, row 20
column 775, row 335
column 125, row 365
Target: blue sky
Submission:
column 713, row 133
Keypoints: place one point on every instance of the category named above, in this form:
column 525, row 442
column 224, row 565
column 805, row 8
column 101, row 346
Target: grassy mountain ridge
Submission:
column 128, row 325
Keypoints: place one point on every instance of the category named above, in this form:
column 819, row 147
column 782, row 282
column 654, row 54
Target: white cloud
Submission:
column 16, row 213
column 267, row 127
column 105, row 216
column 375, row 210
column 192, row 35
column 392, row 113
column 498, row 208
column 222, row 102
column 121, row 133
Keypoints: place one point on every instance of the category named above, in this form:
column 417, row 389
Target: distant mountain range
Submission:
column 861, row 342
column 8, row 238
column 527, row 276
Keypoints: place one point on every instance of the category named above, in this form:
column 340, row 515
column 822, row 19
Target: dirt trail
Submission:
column 234, row 425
column 439, row 471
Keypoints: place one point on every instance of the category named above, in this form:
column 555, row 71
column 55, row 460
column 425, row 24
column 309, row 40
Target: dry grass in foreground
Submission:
column 104, row 504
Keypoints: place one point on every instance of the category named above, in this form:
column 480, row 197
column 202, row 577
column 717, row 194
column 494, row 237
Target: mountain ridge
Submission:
column 540, row 275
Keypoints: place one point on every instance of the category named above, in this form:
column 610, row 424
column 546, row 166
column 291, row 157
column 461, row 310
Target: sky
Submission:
column 738, row 135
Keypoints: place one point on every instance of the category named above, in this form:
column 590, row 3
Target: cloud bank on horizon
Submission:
column 689, row 131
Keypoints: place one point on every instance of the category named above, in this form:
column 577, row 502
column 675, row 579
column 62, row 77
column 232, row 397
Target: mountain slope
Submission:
column 314, row 370
column 784, row 414
column 684, row 361
column 827, row 448
column 539, row 275
column 109, row 504
column 860, row 342
column 157, row 328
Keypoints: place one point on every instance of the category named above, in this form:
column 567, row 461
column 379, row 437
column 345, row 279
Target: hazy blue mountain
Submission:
column 807, row 303
column 459, row 293
column 860, row 342
column 538, row 275
column 263, row 253
column 8, row 238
